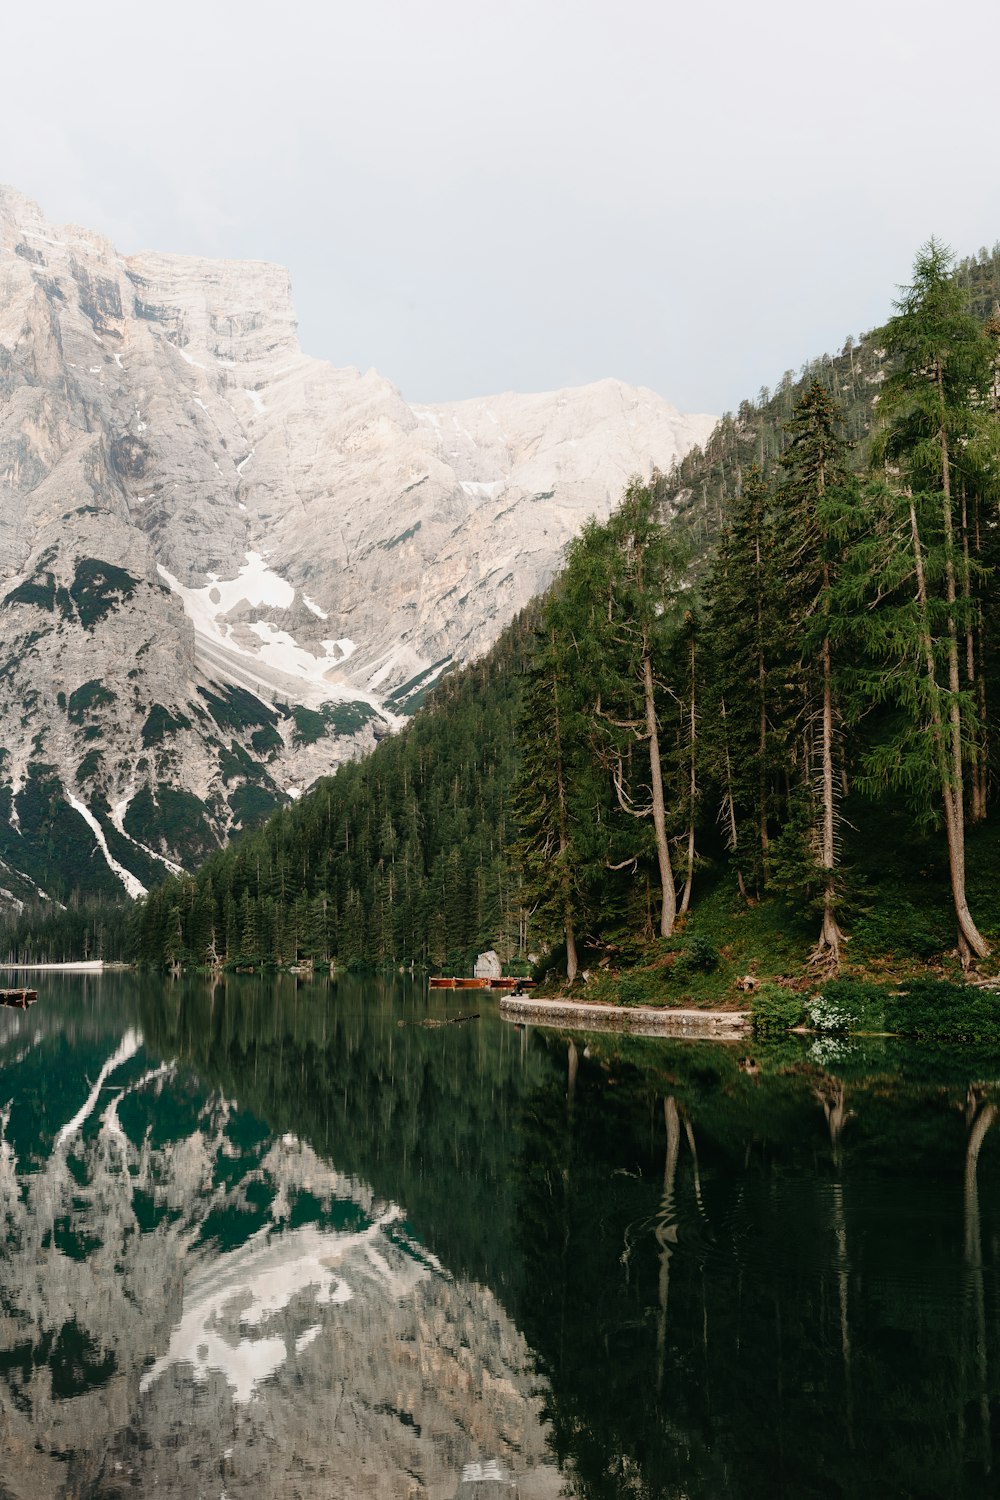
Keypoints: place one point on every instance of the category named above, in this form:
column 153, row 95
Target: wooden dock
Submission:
column 637, row 1020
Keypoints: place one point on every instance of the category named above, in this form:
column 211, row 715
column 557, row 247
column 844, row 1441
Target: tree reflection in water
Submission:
column 800, row 1308
column 766, row 1278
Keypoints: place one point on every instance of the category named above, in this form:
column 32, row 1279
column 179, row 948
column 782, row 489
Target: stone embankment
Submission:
column 637, row 1020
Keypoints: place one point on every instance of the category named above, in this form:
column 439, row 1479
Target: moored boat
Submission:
column 447, row 982
column 20, row 999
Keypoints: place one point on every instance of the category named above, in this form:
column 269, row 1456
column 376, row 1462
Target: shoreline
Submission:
column 639, row 1020
column 81, row 966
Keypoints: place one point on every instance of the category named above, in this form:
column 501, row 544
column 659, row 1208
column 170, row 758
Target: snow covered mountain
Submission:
column 226, row 566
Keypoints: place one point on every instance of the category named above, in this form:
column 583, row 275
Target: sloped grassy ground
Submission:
column 897, row 914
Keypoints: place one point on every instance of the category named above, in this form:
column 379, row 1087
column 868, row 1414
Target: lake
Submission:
column 275, row 1237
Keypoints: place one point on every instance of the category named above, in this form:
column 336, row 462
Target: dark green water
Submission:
column 269, row 1238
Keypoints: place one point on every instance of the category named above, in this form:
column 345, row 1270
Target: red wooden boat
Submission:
column 446, row 982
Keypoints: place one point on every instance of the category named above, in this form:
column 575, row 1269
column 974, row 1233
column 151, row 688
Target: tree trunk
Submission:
column 984, row 756
column 666, row 1229
column 692, row 786
column 977, row 808
column 969, row 940
column 572, row 962
column 729, row 804
column 762, row 694
column 975, row 1280
column 668, row 909
column 984, row 744
column 827, row 950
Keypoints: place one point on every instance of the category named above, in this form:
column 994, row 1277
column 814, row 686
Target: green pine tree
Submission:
column 816, row 510
column 933, row 409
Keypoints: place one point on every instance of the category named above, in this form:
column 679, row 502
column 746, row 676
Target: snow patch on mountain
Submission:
column 134, row 886
column 263, row 656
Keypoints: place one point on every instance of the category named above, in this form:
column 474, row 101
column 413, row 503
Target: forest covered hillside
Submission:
column 401, row 857
column 755, row 714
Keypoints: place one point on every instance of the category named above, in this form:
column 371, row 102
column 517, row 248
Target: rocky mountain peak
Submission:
column 225, row 565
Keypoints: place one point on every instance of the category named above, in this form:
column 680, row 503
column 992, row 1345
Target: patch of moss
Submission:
column 41, row 594
column 235, row 763
column 331, row 720
column 171, row 818
column 159, row 723
column 89, row 766
column 98, row 589
column 266, row 741
column 310, row 726
column 53, row 844
column 88, row 697
column 235, row 708
column 252, row 804
column 411, row 694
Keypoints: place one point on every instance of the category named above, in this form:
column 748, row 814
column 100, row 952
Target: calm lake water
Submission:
column 268, row 1238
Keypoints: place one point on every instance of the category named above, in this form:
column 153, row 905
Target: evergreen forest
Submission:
column 757, row 710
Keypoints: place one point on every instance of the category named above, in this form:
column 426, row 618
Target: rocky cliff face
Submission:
column 226, row 566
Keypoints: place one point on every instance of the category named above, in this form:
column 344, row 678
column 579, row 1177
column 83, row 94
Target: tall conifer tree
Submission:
column 748, row 708
column 625, row 580
column 816, row 508
column 931, row 407
column 550, row 738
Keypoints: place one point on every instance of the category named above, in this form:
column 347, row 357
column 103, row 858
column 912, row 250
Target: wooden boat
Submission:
column 20, row 999
column 446, row 982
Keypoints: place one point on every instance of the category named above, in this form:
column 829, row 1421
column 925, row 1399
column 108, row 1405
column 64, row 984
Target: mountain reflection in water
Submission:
column 278, row 1239
column 197, row 1300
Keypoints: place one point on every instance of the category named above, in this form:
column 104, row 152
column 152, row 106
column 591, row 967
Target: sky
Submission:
column 477, row 197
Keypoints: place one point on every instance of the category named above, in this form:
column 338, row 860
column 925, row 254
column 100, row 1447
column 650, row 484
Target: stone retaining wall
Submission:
column 644, row 1020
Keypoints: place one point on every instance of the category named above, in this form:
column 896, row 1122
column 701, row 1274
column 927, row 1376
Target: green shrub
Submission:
column 236, row 708
column 698, row 956
column 640, row 987
column 934, row 1009
column 774, row 1010
column 347, row 718
column 928, row 1009
column 847, row 1005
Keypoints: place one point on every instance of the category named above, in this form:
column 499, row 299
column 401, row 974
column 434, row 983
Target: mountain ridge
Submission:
column 226, row 566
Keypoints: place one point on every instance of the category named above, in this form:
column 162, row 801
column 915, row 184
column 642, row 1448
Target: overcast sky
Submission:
column 478, row 197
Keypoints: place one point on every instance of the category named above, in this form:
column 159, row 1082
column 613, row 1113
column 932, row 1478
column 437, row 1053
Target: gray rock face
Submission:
column 226, row 566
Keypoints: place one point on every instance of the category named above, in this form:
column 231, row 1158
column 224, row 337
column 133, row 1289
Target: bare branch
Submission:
column 623, row 797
